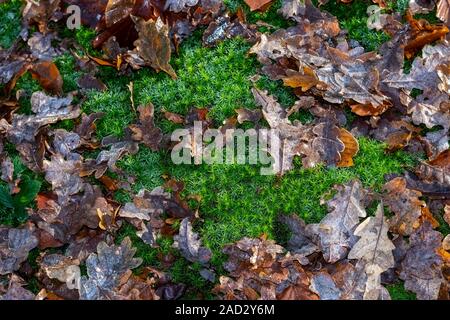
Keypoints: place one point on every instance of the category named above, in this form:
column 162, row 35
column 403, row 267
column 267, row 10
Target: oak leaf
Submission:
column 374, row 248
column 421, row 268
column 334, row 232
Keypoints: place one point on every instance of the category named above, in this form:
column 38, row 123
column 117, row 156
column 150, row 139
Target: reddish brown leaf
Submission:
column 350, row 150
column 47, row 73
column 146, row 131
column 173, row 117
column 423, row 34
column 260, row 5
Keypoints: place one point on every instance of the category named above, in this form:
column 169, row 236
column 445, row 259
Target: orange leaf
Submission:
column 306, row 81
column 351, row 148
column 364, row 110
column 261, row 5
column 173, row 117
column 102, row 62
column 47, row 73
column 109, row 183
column 423, row 34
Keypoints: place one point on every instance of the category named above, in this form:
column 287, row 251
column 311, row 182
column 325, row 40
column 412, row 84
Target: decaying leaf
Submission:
column 153, row 45
column 146, row 131
column 15, row 244
column 225, row 27
column 248, row 115
column 421, row 268
column 190, row 245
column 105, row 269
column 374, row 249
column 16, row 290
column 405, row 204
column 145, row 212
column 334, row 232
column 259, row 270
column 64, row 269
column 300, row 242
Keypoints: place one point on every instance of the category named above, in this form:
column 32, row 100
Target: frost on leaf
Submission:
column 15, row 244
column 374, row 250
column 421, row 268
column 335, row 231
column 189, row 244
column 105, row 269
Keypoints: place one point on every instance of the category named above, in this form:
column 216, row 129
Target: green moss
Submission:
column 115, row 103
column 213, row 78
column 146, row 168
column 237, row 201
column 66, row 67
column 398, row 292
column 10, row 16
column 353, row 18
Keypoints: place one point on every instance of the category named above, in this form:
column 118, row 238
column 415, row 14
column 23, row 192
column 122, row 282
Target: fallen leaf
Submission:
column 47, row 73
column 350, row 150
column 300, row 242
column 334, row 232
column 421, row 268
column 146, row 131
column 64, row 269
column 16, row 290
column 105, row 269
column 248, row 115
column 374, row 248
column 261, row 5
column 173, row 117
column 88, row 81
column 423, row 34
column 153, row 45
column 190, row 245
column 405, row 204
column 443, row 11
column 15, row 244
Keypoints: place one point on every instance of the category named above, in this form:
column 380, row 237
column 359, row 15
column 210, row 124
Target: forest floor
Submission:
column 236, row 201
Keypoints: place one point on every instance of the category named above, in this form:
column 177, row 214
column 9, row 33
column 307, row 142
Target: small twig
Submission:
column 131, row 88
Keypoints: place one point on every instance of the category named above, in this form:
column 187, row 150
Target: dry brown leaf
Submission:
column 305, row 80
column 368, row 109
column 47, row 73
column 405, row 204
column 173, row 117
column 334, row 232
column 423, row 34
column 260, row 5
column 374, row 249
column 421, row 268
column 351, row 148
column 153, row 45
column 146, row 131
